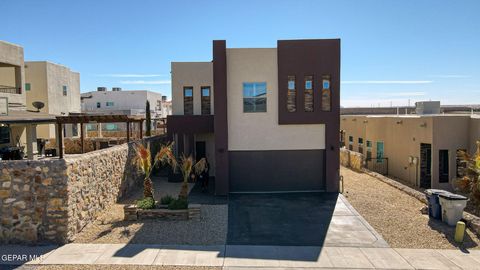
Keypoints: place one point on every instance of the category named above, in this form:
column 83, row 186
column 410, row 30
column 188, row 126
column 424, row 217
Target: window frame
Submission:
column 254, row 98
column 291, row 94
column 188, row 100
column 206, row 100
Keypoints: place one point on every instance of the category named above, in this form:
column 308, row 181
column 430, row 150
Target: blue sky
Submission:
column 392, row 51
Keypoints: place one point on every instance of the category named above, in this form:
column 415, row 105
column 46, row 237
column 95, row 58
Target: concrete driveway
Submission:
column 298, row 219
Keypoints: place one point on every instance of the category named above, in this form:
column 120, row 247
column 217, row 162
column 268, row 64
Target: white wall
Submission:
column 196, row 74
column 260, row 131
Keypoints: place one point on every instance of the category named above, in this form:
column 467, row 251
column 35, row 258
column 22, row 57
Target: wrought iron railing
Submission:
column 10, row 90
column 379, row 165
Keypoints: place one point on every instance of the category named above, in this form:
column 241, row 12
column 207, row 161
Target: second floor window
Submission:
column 99, row 105
column 206, row 107
column 109, row 104
column 188, row 100
column 255, row 97
column 291, row 95
column 308, row 94
column 64, row 88
column 326, row 94
column 27, row 87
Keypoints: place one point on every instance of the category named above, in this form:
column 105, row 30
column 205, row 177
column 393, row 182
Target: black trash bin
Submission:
column 434, row 208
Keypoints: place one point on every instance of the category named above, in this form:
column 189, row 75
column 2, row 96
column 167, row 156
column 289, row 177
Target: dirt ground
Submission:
column 397, row 217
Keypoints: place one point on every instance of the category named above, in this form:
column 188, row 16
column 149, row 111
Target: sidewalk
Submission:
column 238, row 257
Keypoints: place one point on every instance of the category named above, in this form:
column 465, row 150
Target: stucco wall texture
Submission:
column 12, row 55
column 195, row 74
column 261, row 131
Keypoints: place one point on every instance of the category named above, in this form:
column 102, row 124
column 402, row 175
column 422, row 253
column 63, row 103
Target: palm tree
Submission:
column 186, row 167
column 144, row 163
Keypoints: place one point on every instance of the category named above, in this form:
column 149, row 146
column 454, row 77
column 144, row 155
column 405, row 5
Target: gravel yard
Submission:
column 396, row 215
column 109, row 227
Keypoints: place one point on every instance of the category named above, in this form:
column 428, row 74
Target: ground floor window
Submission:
column 111, row 127
column 4, row 134
column 360, row 145
column 350, row 143
column 443, row 169
column 369, row 149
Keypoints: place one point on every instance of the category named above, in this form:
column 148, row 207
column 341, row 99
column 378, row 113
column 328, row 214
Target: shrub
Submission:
column 146, row 203
column 166, row 199
column 470, row 182
column 177, row 204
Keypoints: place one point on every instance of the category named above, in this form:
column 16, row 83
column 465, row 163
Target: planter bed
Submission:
column 132, row 212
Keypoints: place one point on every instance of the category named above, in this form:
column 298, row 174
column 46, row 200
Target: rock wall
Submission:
column 351, row 159
column 52, row 200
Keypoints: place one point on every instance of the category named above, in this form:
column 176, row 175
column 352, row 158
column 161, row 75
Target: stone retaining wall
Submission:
column 52, row 200
column 351, row 159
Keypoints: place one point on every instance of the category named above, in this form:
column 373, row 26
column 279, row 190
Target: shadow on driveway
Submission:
column 286, row 219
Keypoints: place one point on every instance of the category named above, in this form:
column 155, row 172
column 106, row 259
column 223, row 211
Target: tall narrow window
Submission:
column 308, row 94
column 64, row 88
column 206, row 100
column 255, row 97
column 188, row 100
column 443, row 167
column 326, row 94
column 291, row 95
column 350, row 143
column 360, row 145
column 369, row 149
column 99, row 105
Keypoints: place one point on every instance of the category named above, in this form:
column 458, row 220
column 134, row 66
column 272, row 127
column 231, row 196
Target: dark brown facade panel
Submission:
column 220, row 119
column 190, row 124
column 318, row 58
column 280, row 170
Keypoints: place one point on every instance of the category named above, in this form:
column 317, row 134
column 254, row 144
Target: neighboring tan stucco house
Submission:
column 267, row 119
column 420, row 149
column 12, row 94
column 58, row 88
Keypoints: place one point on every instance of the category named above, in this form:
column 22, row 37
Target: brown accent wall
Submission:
column 313, row 57
column 220, row 119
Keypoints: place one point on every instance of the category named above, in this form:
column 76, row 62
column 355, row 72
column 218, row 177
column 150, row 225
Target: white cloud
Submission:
column 147, row 82
column 131, row 75
column 406, row 94
column 386, row 82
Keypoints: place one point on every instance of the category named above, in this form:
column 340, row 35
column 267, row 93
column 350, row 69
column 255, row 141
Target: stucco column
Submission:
column 30, row 138
column 99, row 130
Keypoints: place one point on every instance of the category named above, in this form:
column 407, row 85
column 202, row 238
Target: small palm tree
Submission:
column 186, row 168
column 144, row 163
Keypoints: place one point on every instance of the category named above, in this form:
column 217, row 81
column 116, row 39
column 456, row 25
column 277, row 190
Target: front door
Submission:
column 200, row 150
column 425, row 165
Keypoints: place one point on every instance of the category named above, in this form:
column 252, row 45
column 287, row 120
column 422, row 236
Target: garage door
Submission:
column 269, row 171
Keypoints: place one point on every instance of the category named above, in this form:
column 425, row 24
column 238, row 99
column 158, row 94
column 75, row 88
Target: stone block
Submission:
column 4, row 193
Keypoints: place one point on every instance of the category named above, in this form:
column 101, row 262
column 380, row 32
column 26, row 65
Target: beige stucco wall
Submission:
column 261, row 131
column 47, row 81
column 196, row 74
column 12, row 55
column 402, row 136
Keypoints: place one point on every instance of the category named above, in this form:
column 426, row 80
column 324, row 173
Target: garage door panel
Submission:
column 286, row 170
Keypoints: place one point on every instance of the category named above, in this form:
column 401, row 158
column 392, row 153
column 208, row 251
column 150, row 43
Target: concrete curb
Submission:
column 472, row 221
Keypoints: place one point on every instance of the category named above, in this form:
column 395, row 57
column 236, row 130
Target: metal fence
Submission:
column 379, row 165
column 10, row 90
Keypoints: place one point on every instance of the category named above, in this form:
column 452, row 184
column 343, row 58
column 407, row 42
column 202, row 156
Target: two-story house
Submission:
column 267, row 119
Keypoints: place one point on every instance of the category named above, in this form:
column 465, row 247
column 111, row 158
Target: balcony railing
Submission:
column 10, row 90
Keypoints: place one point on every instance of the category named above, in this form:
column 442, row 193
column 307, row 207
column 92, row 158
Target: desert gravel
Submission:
column 110, row 228
column 396, row 215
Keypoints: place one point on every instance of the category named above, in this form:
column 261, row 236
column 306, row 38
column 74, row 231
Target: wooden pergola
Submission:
column 86, row 118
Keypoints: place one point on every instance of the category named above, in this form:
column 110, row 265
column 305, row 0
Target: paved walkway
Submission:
column 241, row 257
